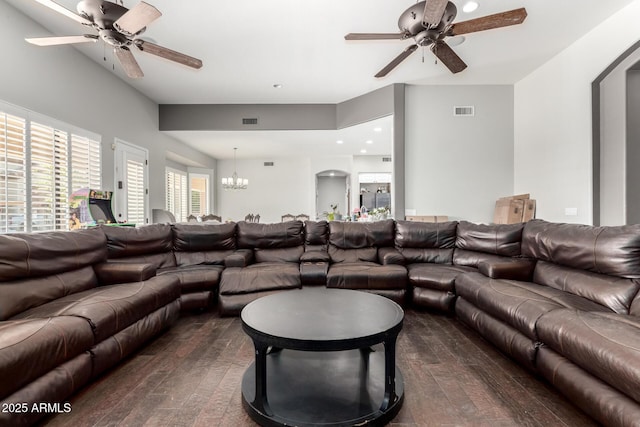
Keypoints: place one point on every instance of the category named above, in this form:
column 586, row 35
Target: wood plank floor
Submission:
column 191, row 376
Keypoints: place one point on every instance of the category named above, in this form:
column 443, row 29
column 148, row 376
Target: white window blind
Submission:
column 13, row 181
column 49, row 178
column 41, row 162
column 177, row 194
column 86, row 165
column 135, row 192
column 199, row 191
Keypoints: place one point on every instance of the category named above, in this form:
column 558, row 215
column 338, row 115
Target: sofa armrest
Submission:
column 389, row 256
column 113, row 272
column 315, row 256
column 240, row 258
column 514, row 269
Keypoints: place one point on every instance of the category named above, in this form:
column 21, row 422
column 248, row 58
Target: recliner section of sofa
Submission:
column 59, row 323
column 575, row 321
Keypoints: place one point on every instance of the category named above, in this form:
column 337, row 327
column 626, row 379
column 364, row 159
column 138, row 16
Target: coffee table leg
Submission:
column 260, row 401
column 389, row 373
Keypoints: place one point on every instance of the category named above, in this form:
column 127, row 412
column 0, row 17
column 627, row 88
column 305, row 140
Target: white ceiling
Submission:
column 247, row 46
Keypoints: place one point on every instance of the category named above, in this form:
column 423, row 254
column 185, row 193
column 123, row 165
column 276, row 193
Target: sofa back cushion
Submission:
column 467, row 258
column 41, row 267
column 253, row 235
column 316, row 235
column 26, row 255
column 147, row 244
column 359, row 235
column 203, row 243
column 613, row 251
column 496, row 239
column 424, row 242
column 615, row 293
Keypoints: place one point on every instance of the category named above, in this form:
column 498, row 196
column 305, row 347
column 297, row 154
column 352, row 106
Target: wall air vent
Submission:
column 250, row 121
column 467, row 111
column 386, row 159
column 268, row 163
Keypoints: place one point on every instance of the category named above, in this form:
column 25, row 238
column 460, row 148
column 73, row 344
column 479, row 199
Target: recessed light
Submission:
column 377, row 129
column 332, row 174
column 469, row 6
column 369, row 141
column 339, row 141
column 277, row 86
column 363, row 151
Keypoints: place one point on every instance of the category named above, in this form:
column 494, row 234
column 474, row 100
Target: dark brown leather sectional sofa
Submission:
column 560, row 299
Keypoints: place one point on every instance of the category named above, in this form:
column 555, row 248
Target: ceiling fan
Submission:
column 117, row 26
column 429, row 23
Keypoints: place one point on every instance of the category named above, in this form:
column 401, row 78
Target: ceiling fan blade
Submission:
column 64, row 11
column 53, row 41
column 375, row 36
column 136, row 18
column 397, row 60
column 448, row 57
column 169, row 54
column 433, row 11
column 498, row 20
column 128, row 62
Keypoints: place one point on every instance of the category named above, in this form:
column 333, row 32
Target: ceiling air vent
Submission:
column 467, row 111
column 250, row 121
column 268, row 163
column 386, row 159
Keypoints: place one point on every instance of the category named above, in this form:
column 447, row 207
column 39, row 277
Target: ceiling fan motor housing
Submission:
column 411, row 20
column 103, row 14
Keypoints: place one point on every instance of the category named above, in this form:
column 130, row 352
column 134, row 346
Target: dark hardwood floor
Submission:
column 191, row 376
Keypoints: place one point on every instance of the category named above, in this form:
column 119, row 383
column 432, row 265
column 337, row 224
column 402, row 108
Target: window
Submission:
column 199, row 190
column 41, row 162
column 13, row 180
column 176, row 200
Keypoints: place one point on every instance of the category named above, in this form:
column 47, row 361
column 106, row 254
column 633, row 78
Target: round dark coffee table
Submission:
column 319, row 359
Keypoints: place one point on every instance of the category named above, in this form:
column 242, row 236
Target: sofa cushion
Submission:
column 366, row 275
column 264, row 276
column 426, row 255
column 185, row 259
column 316, row 233
column 291, row 254
column 359, row 235
column 411, row 234
column 497, row 239
column 253, row 235
column 518, row 304
column 606, row 345
column 606, row 250
column 195, row 277
column 474, row 258
column 435, row 276
column 27, row 255
column 138, row 241
column 21, row 295
column 203, row 237
column 339, row 255
column 612, row 292
column 31, row 348
column 110, row 309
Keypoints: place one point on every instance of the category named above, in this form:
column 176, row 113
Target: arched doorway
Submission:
column 333, row 191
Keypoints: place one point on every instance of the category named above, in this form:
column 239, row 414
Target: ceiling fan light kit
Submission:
column 429, row 23
column 119, row 27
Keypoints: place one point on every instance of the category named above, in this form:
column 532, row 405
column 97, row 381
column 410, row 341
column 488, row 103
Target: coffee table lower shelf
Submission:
column 338, row 388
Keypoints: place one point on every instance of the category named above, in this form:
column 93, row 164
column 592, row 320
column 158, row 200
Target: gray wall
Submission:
column 633, row 147
column 63, row 84
column 458, row 166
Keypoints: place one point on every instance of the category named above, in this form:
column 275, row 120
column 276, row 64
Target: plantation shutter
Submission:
column 86, row 167
column 135, row 191
column 177, row 200
column 13, row 182
column 49, row 179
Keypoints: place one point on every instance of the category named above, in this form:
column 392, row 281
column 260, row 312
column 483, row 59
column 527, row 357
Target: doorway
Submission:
column 131, row 187
column 333, row 191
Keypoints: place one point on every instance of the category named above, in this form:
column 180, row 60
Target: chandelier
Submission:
column 233, row 182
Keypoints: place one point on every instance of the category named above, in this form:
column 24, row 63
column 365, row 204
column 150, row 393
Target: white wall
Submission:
column 61, row 83
column 458, row 166
column 552, row 108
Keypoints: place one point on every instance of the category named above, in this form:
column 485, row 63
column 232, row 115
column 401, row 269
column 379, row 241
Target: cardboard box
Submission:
column 427, row 218
column 529, row 210
column 508, row 211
